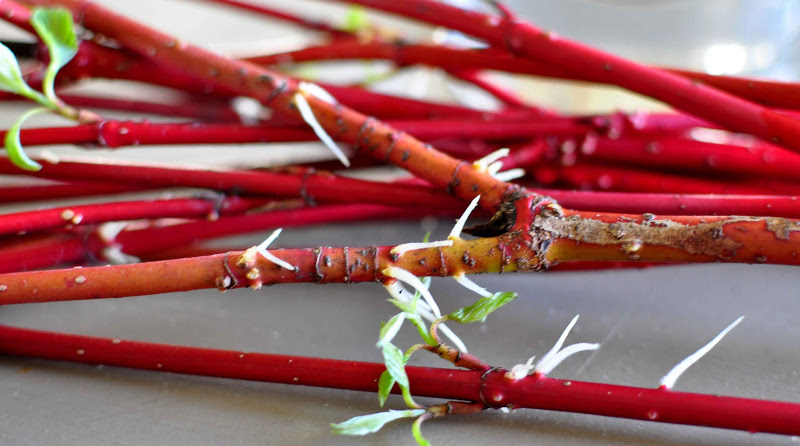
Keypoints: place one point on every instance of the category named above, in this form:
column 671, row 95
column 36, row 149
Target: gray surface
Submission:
column 647, row 321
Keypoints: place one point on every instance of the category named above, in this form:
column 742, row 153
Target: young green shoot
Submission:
column 390, row 329
column 395, row 360
column 406, row 276
column 14, row 146
column 368, row 424
column 416, row 429
column 11, row 76
column 401, row 298
column 411, row 312
column 55, row 28
column 356, row 19
column 478, row 311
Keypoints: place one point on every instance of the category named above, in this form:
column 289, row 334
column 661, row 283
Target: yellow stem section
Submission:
column 648, row 238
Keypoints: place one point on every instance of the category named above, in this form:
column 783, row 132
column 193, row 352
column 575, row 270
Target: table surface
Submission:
column 646, row 320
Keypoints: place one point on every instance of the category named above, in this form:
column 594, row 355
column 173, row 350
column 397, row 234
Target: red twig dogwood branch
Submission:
column 489, row 387
column 526, row 40
column 766, row 92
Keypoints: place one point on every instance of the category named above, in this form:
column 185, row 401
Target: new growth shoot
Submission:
column 414, row 309
column 55, row 28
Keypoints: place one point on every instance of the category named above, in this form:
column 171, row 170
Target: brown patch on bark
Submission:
column 782, row 227
column 703, row 238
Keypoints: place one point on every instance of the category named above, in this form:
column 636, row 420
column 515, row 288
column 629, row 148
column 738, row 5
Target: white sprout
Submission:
column 299, row 99
column 509, row 175
column 399, row 292
column 459, row 344
column 109, row 231
column 668, row 381
column 115, row 255
column 560, row 342
column 492, row 166
column 552, row 358
column 555, row 356
column 49, row 156
column 316, row 91
column 249, row 110
column 520, row 371
column 486, row 162
column 546, row 367
column 459, row 226
column 467, row 283
column 262, row 249
column 406, row 276
column 454, row 234
column 405, row 247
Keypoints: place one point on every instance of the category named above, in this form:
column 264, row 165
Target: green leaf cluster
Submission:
column 395, row 360
column 368, row 424
column 55, row 28
column 478, row 311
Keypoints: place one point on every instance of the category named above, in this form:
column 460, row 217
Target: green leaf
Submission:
column 385, row 384
column 10, row 73
column 405, row 307
column 390, row 329
column 367, row 424
column 14, row 147
column 415, row 319
column 416, row 430
column 55, row 28
column 356, row 18
column 478, row 311
column 395, row 364
column 421, row 328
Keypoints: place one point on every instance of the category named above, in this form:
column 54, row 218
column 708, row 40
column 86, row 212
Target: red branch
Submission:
column 525, row 40
column 71, row 189
column 605, row 177
column 126, row 210
column 492, row 388
column 82, row 246
column 113, row 134
column 766, row 92
column 313, row 187
column 370, row 135
column 689, row 155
